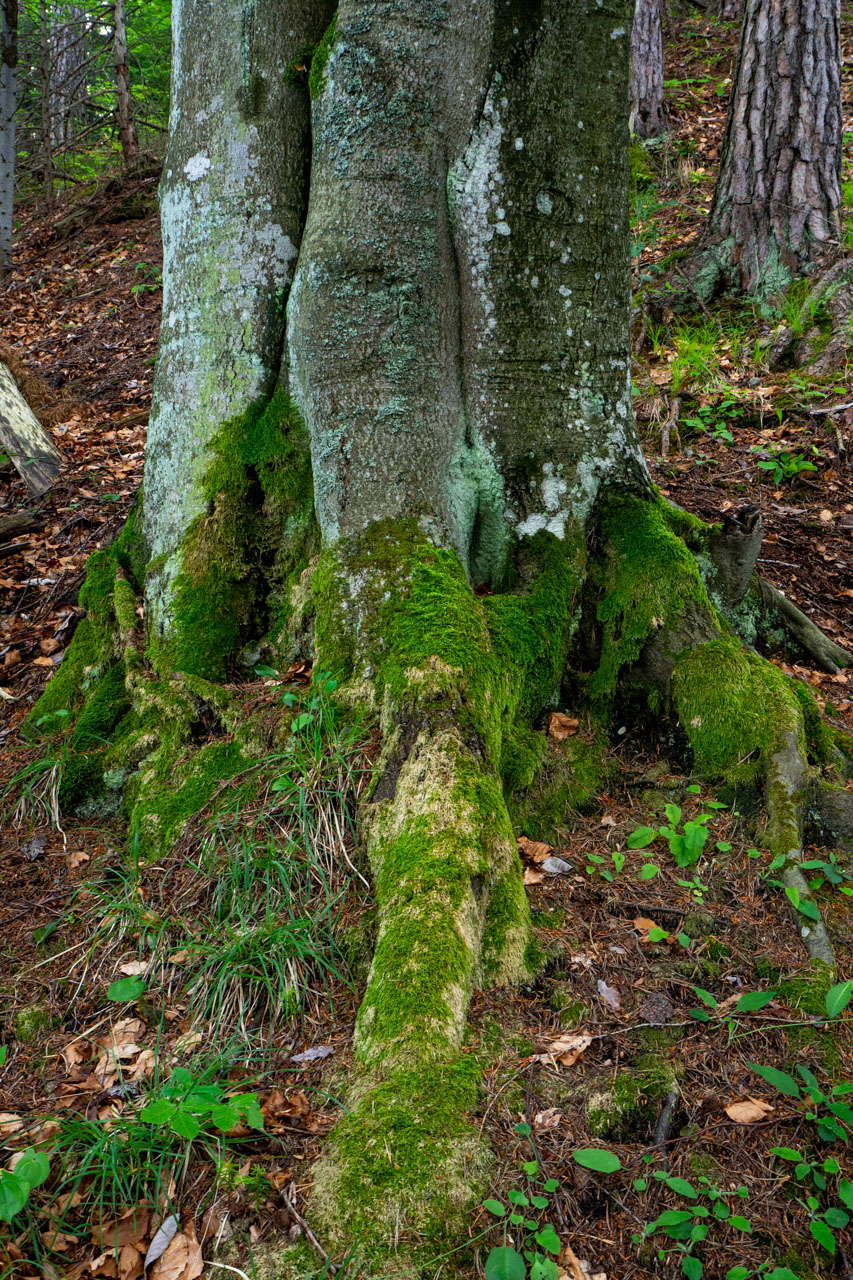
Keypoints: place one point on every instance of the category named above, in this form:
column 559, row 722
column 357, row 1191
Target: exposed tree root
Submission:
column 460, row 683
column 828, row 655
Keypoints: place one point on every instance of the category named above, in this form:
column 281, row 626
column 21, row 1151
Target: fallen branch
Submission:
column 15, row 548
column 19, row 522
column 827, row 654
column 31, row 449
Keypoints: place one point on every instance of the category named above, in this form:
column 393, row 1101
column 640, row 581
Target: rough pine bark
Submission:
column 731, row 10
column 124, row 102
column 778, row 194
column 8, row 106
column 647, row 120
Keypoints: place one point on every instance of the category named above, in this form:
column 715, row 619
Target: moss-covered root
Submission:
column 450, row 900
column 828, row 655
column 785, row 787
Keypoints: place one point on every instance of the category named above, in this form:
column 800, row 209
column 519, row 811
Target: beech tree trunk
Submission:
column 124, row 101
column 778, row 195
column 45, row 69
column 8, row 107
column 392, row 431
column 646, row 119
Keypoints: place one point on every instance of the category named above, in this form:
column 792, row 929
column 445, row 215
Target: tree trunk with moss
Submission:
column 777, row 201
column 393, row 431
column 647, row 70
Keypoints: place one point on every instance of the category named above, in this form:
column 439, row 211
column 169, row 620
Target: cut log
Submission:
column 22, row 436
column 19, row 522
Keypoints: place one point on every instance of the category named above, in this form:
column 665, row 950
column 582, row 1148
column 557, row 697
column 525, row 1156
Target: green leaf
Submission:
column 657, row 935
column 542, row 1268
column 845, row 1190
column 523, row 1130
column 224, row 1117
column 158, row 1112
column 125, row 989
column 793, row 895
column 550, row 1185
column 682, row 1187
column 548, row 1239
column 779, row 1079
column 754, row 1000
column 706, row 997
column 598, row 1159
column 673, row 1217
column 838, row 997
column 742, row 1224
column 640, row 1184
column 13, row 1195
column 642, row 837
column 737, row 1273
column 539, row 1202
column 648, row 871
column 185, row 1125
column 786, row 1153
column 781, row 1273
column 701, row 1015
column 268, row 672
column 518, row 1198
column 684, row 941
column 835, row 1217
column 495, row 1207
column 505, row 1263
column 516, row 1219
column 691, row 1267
column 823, row 1235
column 32, row 1168
column 807, row 908
column 530, row 1167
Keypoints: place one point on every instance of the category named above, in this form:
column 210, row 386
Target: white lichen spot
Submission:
column 198, row 166
column 617, row 32
column 519, row 144
column 544, row 203
column 534, row 283
column 502, row 228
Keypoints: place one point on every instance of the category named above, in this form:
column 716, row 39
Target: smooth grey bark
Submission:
column 233, row 198
column 69, row 29
column 646, row 118
column 124, row 102
column 778, row 194
column 458, row 326
column 45, row 66
column 8, row 107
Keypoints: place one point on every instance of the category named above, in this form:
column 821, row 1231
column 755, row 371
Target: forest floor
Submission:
column 661, row 994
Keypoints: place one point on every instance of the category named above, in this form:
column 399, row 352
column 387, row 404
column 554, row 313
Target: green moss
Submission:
column 162, row 805
column 508, row 911
column 91, row 647
column 808, row 993
column 650, row 577
column 406, row 1168
column 633, row 1100
column 733, row 706
column 317, row 74
column 106, row 704
column 82, row 780
column 642, row 176
column 124, row 604
column 573, row 773
column 259, row 529
column 820, row 738
column 29, row 1023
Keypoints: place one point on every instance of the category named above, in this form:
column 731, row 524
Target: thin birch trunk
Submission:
column 8, row 105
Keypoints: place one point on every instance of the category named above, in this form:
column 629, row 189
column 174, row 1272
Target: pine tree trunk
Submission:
column 778, row 195
column 124, row 102
column 8, row 106
column 731, row 10
column 647, row 70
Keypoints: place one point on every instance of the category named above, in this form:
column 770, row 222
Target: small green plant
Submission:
column 786, row 464
column 685, row 844
column 29, row 1172
column 690, row 1226
column 823, row 1222
column 152, row 279
column 725, row 1012
column 595, row 861
column 534, row 1242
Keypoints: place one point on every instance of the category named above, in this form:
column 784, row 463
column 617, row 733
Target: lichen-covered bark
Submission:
column 8, row 106
column 233, row 204
column 778, row 194
column 458, row 332
column 646, row 117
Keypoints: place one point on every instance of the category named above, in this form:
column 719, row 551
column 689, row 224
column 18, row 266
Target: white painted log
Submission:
column 22, row 436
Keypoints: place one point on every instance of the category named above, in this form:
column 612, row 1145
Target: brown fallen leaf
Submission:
column 130, row 1228
column 9, row 1123
column 104, row 1265
column 749, row 1111
column 126, row 1031
column 643, row 925
column 549, row 1119
column 130, row 1265
column 561, row 726
column 144, row 1066
column 77, row 858
column 532, row 877
column 533, row 850
column 570, row 1259
column 174, row 1261
column 564, row 1051
column 135, row 968
column 48, row 645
